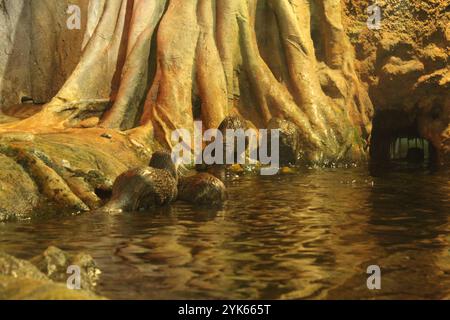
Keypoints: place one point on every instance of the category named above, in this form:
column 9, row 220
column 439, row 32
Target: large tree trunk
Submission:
column 160, row 65
column 152, row 66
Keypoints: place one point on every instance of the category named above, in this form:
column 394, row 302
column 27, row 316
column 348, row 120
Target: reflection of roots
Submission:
column 165, row 64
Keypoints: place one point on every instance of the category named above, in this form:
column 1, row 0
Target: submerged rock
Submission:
column 54, row 263
column 202, row 189
column 16, row 268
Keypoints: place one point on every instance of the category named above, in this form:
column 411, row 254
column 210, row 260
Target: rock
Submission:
column 106, row 136
column 63, row 171
column 202, row 189
column 19, row 195
column 236, row 168
column 66, row 164
column 287, row 170
column 289, row 147
column 396, row 67
column 16, row 268
column 17, row 137
column 33, row 289
column 22, row 280
column 404, row 64
column 89, row 122
column 54, row 263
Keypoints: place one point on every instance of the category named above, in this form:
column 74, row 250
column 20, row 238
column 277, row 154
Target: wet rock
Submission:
column 236, row 168
column 18, row 192
column 289, row 147
column 287, row 171
column 33, row 289
column 21, row 280
column 54, row 263
column 59, row 172
column 16, row 268
column 202, row 189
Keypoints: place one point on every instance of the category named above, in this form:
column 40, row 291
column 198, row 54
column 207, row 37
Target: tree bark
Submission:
column 152, row 66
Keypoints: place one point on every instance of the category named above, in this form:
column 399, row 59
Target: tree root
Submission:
column 211, row 62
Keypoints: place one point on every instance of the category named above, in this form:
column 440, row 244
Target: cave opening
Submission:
column 396, row 141
column 410, row 149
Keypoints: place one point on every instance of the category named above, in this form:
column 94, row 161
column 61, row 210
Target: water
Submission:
column 310, row 235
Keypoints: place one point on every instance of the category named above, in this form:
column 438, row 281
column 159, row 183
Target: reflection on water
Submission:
column 310, row 235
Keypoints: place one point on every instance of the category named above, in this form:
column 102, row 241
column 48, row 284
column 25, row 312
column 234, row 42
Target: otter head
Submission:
column 233, row 123
column 163, row 160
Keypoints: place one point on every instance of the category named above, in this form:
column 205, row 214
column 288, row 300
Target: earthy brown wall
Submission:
column 405, row 64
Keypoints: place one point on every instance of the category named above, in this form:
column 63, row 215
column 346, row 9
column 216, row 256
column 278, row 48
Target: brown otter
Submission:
column 145, row 187
column 232, row 123
column 202, row 189
column 289, row 145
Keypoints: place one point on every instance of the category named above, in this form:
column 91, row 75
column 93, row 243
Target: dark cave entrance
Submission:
column 410, row 149
column 396, row 141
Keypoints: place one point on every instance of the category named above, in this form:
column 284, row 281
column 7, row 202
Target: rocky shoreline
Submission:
column 46, row 277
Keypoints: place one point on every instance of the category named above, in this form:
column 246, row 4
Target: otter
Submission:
column 145, row 187
column 202, row 189
column 289, row 140
column 234, row 122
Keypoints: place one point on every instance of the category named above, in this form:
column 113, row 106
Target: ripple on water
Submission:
column 310, row 235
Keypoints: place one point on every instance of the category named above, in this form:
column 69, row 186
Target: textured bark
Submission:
column 38, row 53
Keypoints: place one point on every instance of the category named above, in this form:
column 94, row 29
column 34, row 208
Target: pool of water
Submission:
column 310, row 235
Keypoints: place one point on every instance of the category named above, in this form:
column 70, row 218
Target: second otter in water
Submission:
column 145, row 187
column 202, row 189
column 289, row 143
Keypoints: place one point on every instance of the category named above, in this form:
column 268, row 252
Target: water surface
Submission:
column 310, row 235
